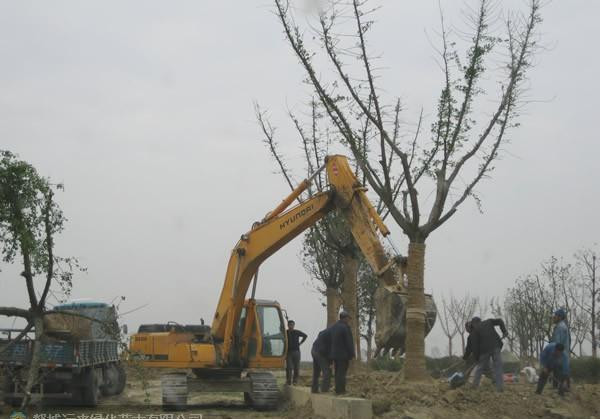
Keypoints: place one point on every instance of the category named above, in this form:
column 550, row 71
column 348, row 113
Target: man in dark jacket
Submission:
column 487, row 345
column 471, row 362
column 292, row 361
column 342, row 350
column 321, row 362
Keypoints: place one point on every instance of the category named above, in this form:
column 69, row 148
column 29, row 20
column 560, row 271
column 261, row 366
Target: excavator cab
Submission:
column 261, row 336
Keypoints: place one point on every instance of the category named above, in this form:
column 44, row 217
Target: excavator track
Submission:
column 265, row 393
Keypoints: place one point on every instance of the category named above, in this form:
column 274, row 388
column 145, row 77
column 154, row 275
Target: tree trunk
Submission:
column 34, row 366
column 350, row 296
column 449, row 346
column 370, row 334
column 333, row 305
column 414, row 362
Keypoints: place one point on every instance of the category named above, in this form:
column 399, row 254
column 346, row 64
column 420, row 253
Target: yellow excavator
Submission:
column 248, row 335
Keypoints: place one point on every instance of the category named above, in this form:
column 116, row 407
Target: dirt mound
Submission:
column 436, row 399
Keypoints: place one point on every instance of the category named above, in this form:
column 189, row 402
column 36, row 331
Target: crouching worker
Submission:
column 553, row 361
column 321, row 362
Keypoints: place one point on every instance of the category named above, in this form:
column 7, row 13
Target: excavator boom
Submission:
column 280, row 226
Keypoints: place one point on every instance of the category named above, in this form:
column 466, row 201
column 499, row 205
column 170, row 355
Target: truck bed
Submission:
column 61, row 354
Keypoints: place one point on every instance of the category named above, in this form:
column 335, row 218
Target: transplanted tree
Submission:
column 460, row 148
column 30, row 219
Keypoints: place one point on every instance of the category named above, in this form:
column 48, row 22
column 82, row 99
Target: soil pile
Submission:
column 394, row 399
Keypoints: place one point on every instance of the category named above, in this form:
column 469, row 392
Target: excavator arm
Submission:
column 281, row 225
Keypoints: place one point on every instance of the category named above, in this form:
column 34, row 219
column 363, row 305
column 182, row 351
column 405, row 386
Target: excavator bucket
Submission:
column 391, row 321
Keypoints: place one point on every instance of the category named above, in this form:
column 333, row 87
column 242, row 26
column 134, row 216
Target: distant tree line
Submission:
column 528, row 305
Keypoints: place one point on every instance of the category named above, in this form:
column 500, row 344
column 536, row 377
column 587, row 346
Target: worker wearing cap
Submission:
column 561, row 335
column 342, row 350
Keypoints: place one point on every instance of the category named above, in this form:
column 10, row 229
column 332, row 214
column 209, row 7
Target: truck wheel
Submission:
column 121, row 380
column 8, row 387
column 90, row 388
column 115, row 379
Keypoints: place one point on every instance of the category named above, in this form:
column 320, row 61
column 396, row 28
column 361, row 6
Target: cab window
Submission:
column 271, row 330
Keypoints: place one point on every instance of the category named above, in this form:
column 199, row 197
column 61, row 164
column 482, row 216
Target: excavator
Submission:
column 247, row 336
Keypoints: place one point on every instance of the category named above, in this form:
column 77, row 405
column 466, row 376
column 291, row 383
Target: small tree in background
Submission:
column 589, row 300
column 461, row 311
column 446, row 321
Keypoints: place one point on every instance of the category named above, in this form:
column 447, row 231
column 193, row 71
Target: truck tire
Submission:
column 89, row 388
column 121, row 380
column 8, row 387
column 110, row 382
column 115, row 379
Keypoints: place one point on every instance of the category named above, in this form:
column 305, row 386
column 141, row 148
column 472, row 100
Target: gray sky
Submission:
column 144, row 110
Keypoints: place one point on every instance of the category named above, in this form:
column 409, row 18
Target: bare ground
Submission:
column 394, row 399
column 391, row 398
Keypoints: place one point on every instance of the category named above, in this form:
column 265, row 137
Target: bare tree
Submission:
column 590, row 297
column 461, row 311
column 446, row 321
column 460, row 141
column 30, row 219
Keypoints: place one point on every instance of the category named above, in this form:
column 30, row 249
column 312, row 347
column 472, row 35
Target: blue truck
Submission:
column 79, row 361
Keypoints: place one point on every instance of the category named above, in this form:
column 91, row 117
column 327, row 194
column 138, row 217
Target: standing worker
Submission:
column 342, row 350
column 292, row 361
column 321, row 363
column 487, row 345
column 553, row 360
column 561, row 335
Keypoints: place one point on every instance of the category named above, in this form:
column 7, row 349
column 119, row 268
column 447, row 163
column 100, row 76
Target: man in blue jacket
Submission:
column 553, row 361
column 342, row 350
column 561, row 335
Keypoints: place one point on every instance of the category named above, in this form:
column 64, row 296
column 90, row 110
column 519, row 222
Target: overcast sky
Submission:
column 144, row 109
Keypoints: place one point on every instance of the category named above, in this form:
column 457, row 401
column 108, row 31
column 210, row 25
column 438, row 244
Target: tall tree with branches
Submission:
column 461, row 143
column 30, row 219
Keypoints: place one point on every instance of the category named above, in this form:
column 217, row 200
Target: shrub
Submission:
column 586, row 369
